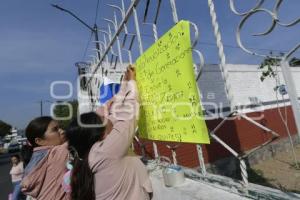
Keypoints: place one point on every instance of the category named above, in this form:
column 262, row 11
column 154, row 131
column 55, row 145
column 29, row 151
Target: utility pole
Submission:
column 41, row 102
column 41, row 107
column 93, row 29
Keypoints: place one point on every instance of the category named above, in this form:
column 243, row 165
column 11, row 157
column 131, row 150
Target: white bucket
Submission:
column 173, row 175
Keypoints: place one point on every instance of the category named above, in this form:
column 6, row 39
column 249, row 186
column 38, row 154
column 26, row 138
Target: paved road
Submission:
column 5, row 183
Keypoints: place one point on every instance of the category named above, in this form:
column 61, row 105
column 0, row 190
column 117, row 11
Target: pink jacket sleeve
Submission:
column 123, row 114
column 48, row 174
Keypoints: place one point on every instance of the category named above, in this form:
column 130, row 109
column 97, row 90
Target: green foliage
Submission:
column 4, row 128
column 295, row 165
column 62, row 111
column 267, row 67
column 268, row 64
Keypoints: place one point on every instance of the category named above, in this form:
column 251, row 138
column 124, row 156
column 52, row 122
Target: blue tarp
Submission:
column 108, row 91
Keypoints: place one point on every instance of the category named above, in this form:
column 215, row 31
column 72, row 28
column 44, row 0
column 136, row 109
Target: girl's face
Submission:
column 53, row 136
column 14, row 160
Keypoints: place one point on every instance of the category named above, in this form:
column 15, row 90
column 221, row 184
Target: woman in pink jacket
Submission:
column 44, row 173
column 101, row 167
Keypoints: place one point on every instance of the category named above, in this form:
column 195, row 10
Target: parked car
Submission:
column 13, row 147
column 22, row 141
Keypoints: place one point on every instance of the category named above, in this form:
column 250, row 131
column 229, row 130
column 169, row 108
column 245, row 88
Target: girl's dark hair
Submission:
column 16, row 156
column 37, row 128
column 81, row 139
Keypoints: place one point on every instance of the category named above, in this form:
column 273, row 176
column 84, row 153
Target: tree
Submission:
column 62, row 111
column 4, row 128
column 270, row 62
column 267, row 67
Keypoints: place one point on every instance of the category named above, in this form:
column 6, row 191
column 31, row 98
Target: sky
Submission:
column 39, row 44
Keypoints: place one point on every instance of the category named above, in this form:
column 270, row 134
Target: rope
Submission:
column 225, row 74
column 244, row 172
column 220, row 51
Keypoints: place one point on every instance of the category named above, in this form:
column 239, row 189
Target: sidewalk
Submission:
column 189, row 190
column 212, row 187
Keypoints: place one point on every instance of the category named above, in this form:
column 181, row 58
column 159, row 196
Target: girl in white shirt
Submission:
column 16, row 172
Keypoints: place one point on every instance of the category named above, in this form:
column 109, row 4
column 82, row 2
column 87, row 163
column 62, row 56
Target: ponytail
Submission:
column 80, row 140
column 26, row 153
column 82, row 180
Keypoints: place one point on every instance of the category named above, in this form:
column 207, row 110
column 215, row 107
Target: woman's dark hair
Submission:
column 81, row 139
column 26, row 153
column 37, row 128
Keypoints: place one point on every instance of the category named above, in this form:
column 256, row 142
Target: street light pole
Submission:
column 93, row 29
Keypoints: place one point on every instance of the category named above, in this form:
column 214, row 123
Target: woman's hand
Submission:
column 130, row 73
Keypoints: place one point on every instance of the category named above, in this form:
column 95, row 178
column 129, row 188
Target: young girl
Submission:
column 44, row 173
column 101, row 167
column 17, row 170
column 16, row 173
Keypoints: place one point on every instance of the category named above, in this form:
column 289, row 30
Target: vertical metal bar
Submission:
column 146, row 10
column 114, row 23
column 244, row 172
column 174, row 11
column 130, row 47
column 201, row 159
column 155, row 149
column 292, row 92
column 133, row 4
column 102, row 47
column 221, row 52
column 118, row 40
column 123, row 8
column 174, row 157
column 123, row 16
column 105, row 46
column 137, row 29
column 109, row 38
column 129, row 55
column 224, row 73
column 97, row 40
column 109, row 32
column 122, row 11
column 157, row 11
column 155, row 35
column 199, row 148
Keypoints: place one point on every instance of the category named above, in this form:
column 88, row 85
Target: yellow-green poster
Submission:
column 170, row 103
